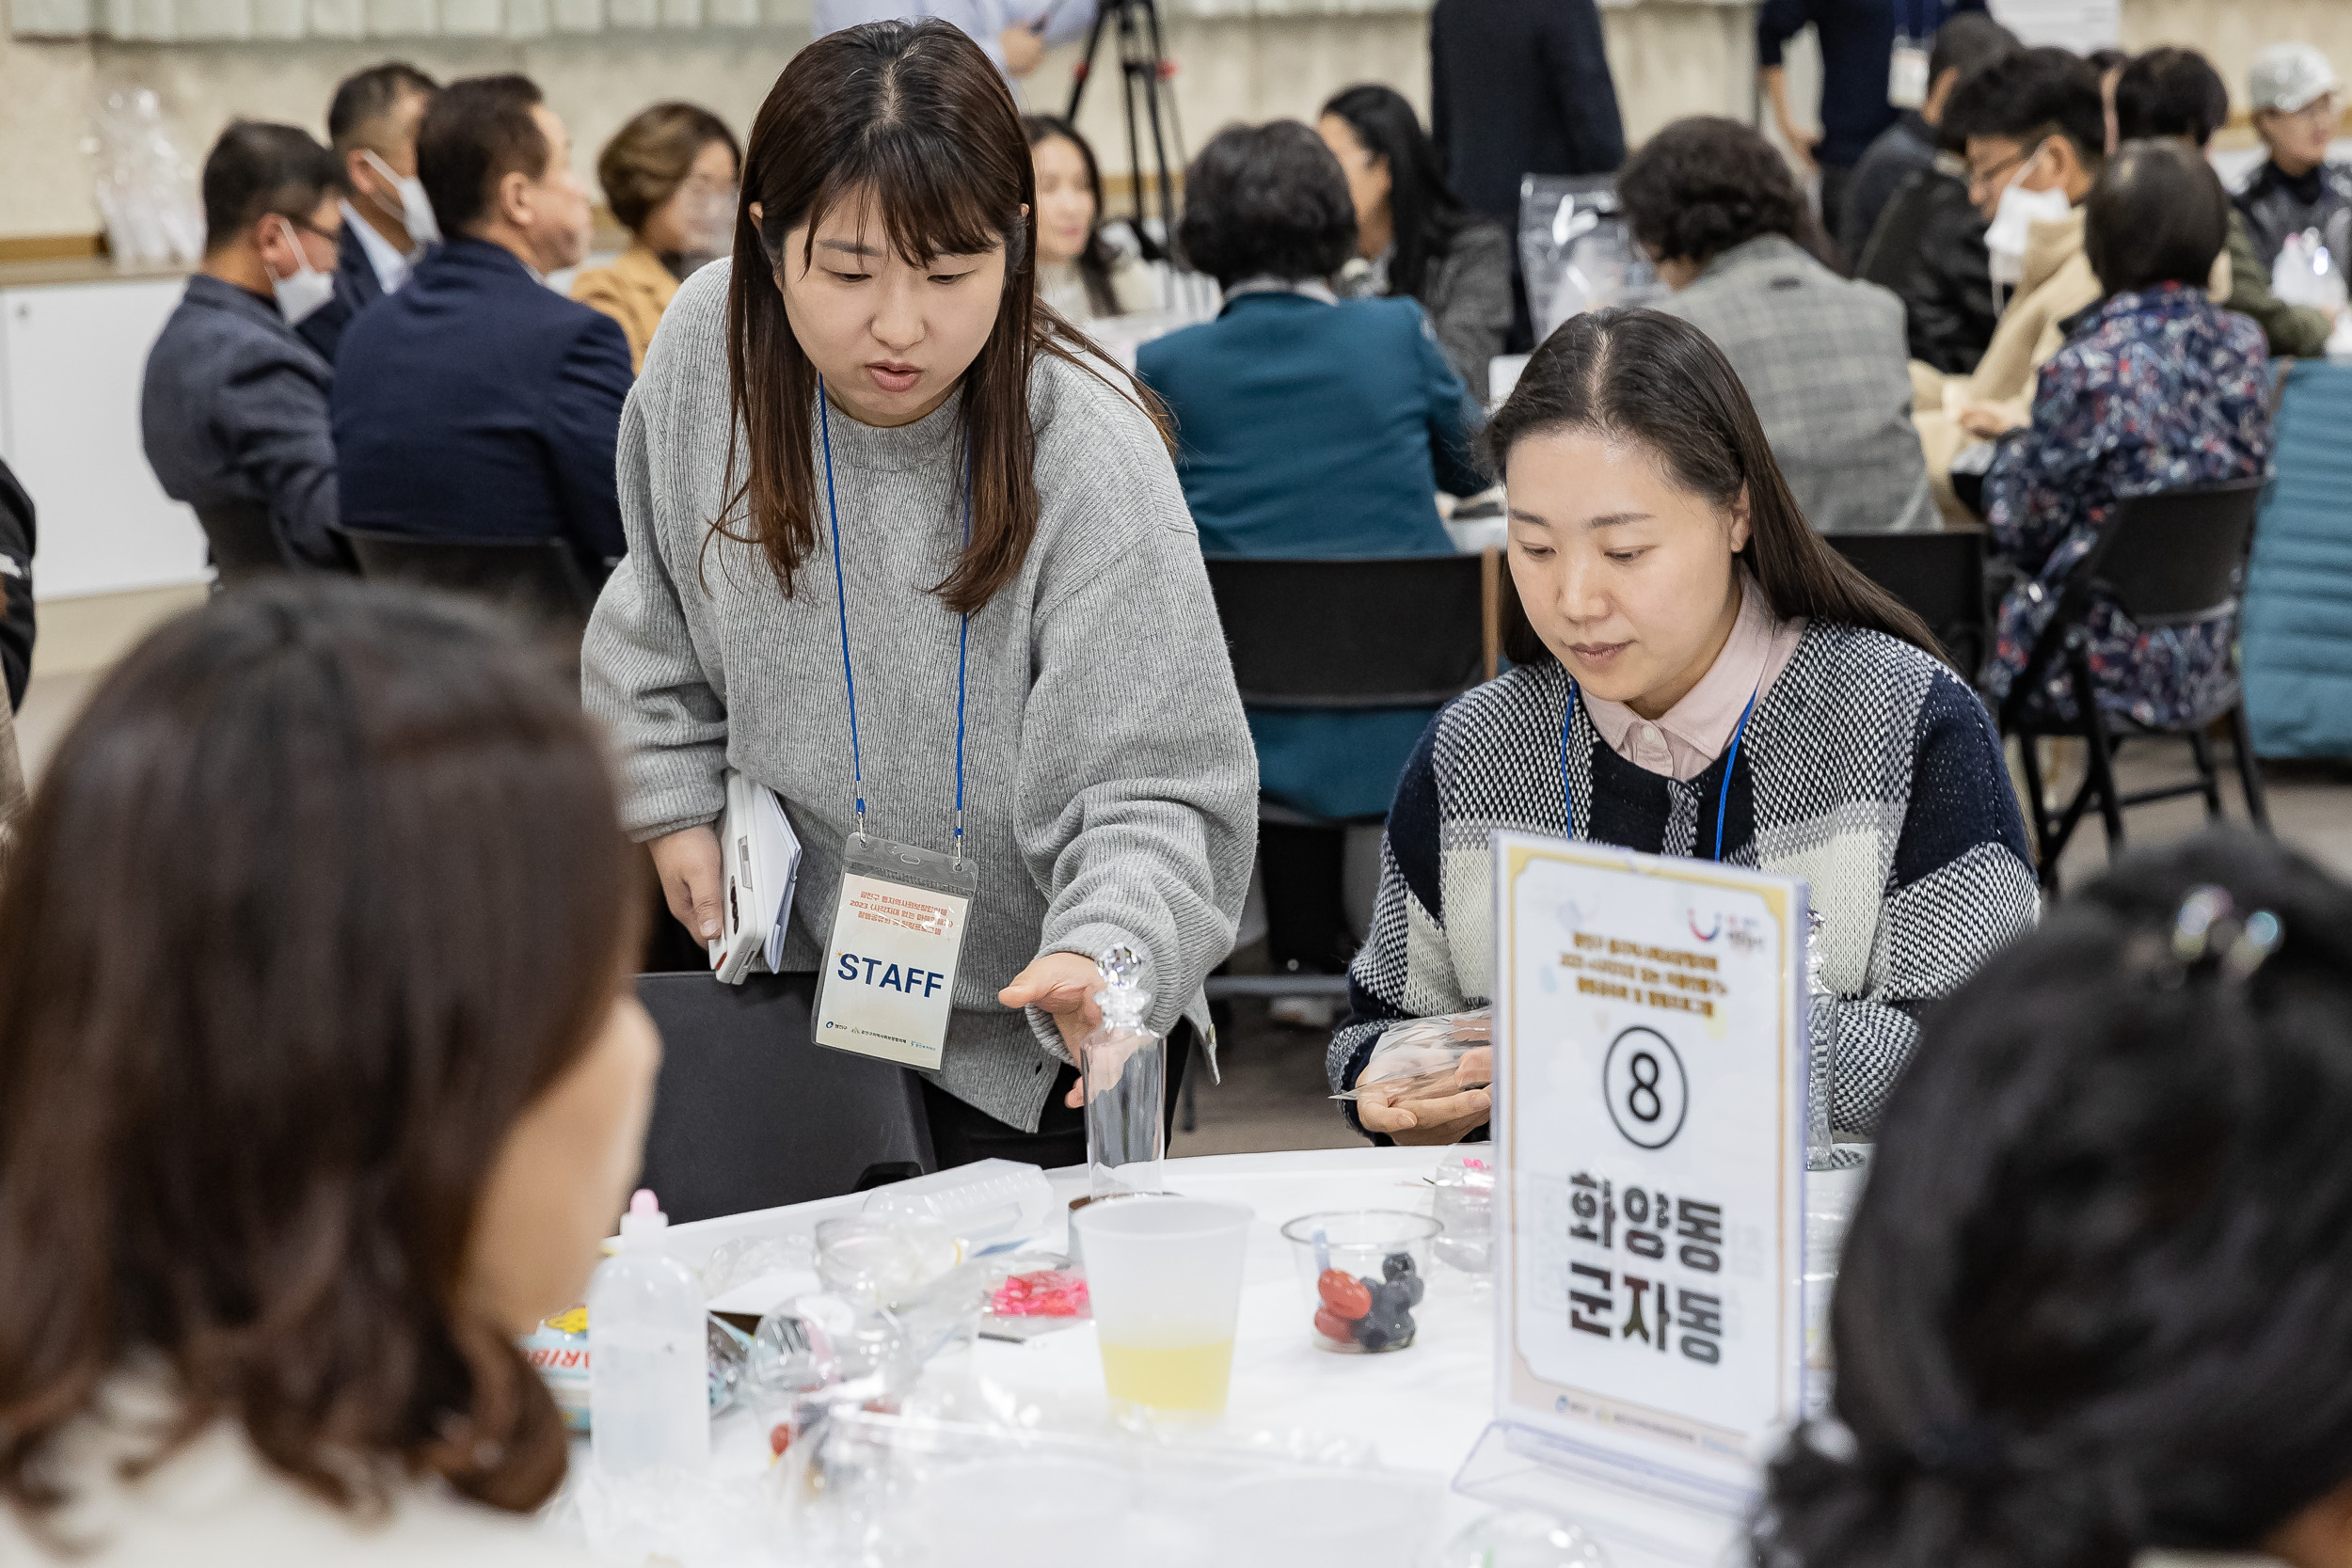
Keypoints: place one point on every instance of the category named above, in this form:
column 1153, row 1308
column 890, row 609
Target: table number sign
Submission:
column 1649, row 1127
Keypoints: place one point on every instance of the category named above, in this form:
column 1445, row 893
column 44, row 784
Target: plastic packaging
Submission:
column 648, row 1373
column 145, row 183
column 1123, row 1065
column 1363, row 1273
column 1821, row 1060
column 1522, row 1540
column 2309, row 270
column 1575, row 250
column 1417, row 1058
column 872, row 1260
column 1464, row 1205
column 990, row 1205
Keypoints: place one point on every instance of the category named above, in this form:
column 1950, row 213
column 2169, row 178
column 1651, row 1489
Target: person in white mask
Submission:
column 233, row 409
column 388, row 224
column 2034, row 126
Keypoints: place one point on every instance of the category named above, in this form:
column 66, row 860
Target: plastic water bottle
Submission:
column 648, row 1389
column 1123, row 1065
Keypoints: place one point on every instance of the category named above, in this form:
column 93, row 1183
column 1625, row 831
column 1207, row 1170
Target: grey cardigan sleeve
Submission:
column 1468, row 298
column 641, row 674
column 1139, row 782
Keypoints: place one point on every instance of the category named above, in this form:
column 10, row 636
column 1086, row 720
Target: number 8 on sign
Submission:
column 1644, row 1086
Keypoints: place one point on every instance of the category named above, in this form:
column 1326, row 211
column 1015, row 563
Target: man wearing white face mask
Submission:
column 2035, row 128
column 387, row 223
column 233, row 410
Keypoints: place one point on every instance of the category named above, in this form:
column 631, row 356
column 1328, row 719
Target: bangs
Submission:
column 908, row 180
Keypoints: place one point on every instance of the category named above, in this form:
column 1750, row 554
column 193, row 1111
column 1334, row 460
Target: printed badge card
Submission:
column 1650, row 1130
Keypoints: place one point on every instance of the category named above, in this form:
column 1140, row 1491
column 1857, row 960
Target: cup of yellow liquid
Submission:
column 1165, row 1277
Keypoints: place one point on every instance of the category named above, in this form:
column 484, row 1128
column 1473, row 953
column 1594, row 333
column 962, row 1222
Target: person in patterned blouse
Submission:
column 1695, row 672
column 2157, row 389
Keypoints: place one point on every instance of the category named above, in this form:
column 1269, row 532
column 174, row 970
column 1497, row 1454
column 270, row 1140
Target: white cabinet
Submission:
column 71, row 356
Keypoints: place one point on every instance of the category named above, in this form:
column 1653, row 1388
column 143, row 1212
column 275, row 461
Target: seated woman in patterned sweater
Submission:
column 2157, row 389
column 1694, row 673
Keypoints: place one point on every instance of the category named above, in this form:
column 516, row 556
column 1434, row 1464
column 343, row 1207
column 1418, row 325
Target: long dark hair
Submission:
column 1424, row 214
column 2097, row 1296
column 916, row 116
column 321, row 892
column 1094, row 262
column 1662, row 381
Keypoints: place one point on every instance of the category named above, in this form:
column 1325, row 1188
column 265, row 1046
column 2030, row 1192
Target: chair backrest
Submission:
column 1938, row 577
column 2178, row 555
column 751, row 1113
column 245, row 545
column 539, row 576
column 1398, row 632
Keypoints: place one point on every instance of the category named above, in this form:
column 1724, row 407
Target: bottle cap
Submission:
column 1123, row 1000
column 645, row 1218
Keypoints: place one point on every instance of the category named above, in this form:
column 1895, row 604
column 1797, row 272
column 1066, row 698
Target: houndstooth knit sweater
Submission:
column 1868, row 769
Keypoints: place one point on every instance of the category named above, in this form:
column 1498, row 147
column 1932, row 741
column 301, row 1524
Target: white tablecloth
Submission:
column 1421, row 1409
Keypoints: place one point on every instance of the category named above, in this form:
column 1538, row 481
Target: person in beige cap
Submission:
column 2293, row 90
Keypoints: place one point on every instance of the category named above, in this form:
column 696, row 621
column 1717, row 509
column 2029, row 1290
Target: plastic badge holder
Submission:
column 989, row 1205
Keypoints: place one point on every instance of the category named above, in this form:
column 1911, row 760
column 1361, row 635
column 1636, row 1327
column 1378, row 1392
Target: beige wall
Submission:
column 1671, row 57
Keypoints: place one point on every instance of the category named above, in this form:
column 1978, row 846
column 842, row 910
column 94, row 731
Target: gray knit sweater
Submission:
column 1110, row 786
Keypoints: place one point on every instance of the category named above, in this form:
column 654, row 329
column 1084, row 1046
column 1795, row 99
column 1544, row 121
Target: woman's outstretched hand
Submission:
column 1062, row 985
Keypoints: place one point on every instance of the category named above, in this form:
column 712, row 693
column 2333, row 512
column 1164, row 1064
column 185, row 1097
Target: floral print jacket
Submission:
column 2155, row 390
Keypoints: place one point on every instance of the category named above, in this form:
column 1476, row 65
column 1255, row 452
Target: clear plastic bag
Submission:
column 1417, row 1060
column 143, row 180
column 1575, row 250
column 2310, row 271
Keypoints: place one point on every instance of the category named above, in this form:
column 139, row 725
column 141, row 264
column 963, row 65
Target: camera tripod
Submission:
column 1143, row 66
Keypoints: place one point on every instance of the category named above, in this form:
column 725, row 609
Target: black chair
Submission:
column 750, row 1113
column 2165, row 560
column 1396, row 632
column 244, row 547
column 1938, row 577
column 541, row 577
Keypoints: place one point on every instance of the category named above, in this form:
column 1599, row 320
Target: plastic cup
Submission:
column 1363, row 1271
column 1165, row 1277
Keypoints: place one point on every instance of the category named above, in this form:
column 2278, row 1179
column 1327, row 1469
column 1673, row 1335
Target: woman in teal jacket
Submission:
column 1307, row 426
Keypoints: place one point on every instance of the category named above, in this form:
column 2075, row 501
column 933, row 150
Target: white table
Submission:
column 1421, row 1409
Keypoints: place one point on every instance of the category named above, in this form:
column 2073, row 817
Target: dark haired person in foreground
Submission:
column 288, row 1161
column 233, row 406
column 1823, row 358
column 2157, row 388
column 1695, row 673
column 2095, row 1302
column 1414, row 238
column 1311, row 427
column 477, row 404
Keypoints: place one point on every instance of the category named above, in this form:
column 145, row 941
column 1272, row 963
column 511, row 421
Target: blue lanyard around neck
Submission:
column 841, row 602
column 1722, row 797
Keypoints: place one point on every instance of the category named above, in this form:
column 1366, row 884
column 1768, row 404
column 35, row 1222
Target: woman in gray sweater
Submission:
column 922, row 567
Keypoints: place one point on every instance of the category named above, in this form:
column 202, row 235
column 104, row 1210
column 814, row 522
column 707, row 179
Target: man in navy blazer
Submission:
column 477, row 403
column 388, row 225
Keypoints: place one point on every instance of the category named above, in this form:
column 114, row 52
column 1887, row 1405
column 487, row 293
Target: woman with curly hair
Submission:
column 1824, row 359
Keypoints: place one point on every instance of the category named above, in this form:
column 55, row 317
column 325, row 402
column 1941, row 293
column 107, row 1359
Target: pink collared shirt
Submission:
column 1685, row 741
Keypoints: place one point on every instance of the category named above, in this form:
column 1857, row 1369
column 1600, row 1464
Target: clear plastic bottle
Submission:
column 1821, row 1062
column 648, row 1388
column 1123, row 1065
column 990, row 1205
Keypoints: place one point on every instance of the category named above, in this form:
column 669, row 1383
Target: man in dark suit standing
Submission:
column 387, row 223
column 233, row 406
column 1519, row 88
column 477, row 403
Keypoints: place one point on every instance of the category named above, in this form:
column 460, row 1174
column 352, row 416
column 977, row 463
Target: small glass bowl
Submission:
column 1363, row 1273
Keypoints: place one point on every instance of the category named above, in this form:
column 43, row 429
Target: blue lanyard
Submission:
column 841, row 602
column 1722, row 797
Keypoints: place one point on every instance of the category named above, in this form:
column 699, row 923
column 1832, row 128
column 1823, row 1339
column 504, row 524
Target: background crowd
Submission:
column 890, row 469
